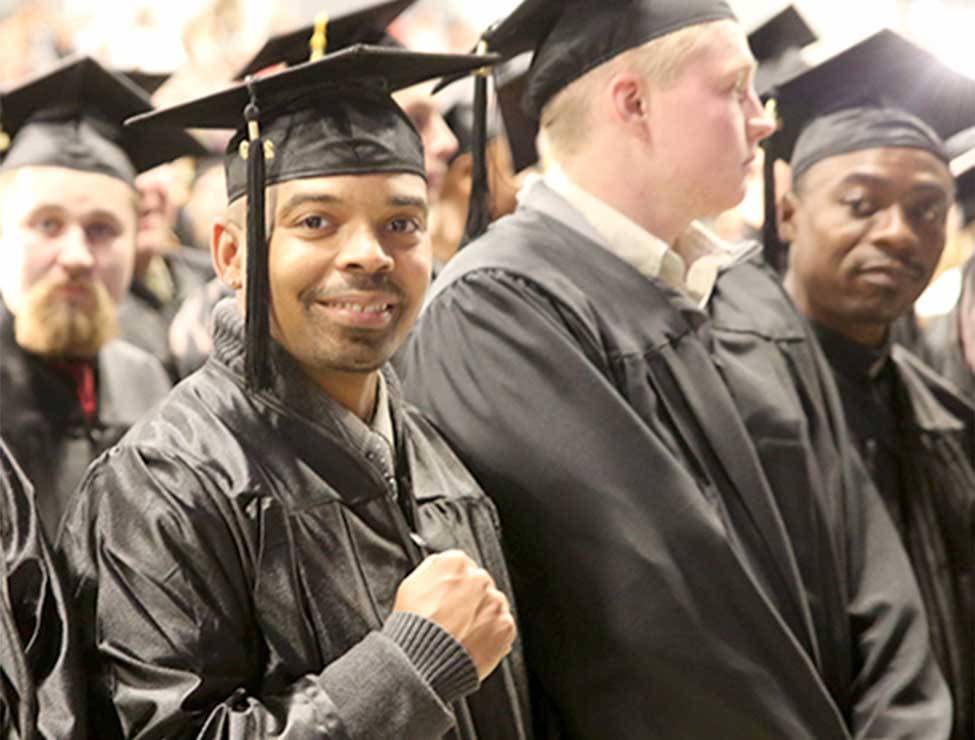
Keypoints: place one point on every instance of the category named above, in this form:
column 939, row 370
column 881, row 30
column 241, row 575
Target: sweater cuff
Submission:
column 439, row 659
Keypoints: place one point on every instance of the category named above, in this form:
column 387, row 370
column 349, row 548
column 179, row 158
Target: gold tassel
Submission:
column 319, row 38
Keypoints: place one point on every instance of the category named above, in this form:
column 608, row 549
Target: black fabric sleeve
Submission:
column 39, row 636
column 162, row 579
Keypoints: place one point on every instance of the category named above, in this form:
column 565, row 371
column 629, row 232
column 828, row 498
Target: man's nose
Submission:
column 363, row 251
column 760, row 124
column 75, row 255
column 895, row 233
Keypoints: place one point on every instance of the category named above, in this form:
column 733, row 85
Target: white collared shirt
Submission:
column 649, row 255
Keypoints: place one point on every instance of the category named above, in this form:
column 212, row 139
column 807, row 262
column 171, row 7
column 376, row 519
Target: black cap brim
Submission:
column 149, row 82
column 80, row 88
column 884, row 69
column 394, row 69
column 961, row 149
column 775, row 43
column 350, row 22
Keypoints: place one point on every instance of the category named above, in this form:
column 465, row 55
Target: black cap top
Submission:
column 149, row 82
column 883, row 72
column 342, row 23
column 881, row 92
column 72, row 117
column 329, row 117
column 570, row 37
column 961, row 149
column 776, row 43
column 333, row 116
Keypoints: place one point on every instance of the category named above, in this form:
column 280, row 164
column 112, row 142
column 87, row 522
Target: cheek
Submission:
column 29, row 258
column 114, row 265
column 932, row 247
column 415, row 266
column 293, row 269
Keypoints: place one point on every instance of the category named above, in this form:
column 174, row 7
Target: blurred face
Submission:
column 439, row 142
column 157, row 212
column 866, row 230
column 207, row 202
column 349, row 265
column 706, row 125
column 68, row 245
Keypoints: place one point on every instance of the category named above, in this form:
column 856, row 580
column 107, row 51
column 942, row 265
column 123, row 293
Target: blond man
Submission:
column 694, row 552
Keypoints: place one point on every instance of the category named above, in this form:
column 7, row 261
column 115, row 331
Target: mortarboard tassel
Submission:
column 4, row 137
column 772, row 249
column 479, row 206
column 257, row 331
column 318, row 44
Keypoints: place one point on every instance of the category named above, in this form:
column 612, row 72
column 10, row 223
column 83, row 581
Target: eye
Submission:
column 860, row 207
column 313, row 222
column 101, row 231
column 404, row 226
column 929, row 214
column 49, row 225
column 742, row 86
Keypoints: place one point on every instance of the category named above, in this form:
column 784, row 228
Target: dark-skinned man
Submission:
column 253, row 559
column 866, row 221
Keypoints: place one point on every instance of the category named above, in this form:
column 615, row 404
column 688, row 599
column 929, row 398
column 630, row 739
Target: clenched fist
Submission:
column 450, row 590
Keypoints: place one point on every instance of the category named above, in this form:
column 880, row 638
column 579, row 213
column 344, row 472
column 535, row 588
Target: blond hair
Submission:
column 565, row 120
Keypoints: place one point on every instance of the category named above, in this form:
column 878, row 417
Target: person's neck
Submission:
column 870, row 335
column 628, row 190
column 353, row 391
column 142, row 261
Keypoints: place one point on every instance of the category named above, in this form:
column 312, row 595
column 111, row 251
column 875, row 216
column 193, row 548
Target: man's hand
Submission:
column 450, row 590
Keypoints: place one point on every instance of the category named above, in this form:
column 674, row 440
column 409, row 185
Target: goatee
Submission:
column 51, row 325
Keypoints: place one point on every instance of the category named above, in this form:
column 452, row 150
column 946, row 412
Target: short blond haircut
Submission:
column 565, row 118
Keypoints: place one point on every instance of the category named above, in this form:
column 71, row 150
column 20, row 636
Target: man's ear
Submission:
column 629, row 100
column 227, row 251
column 786, row 212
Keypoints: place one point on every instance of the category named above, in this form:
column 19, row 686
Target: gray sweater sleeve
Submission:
column 400, row 681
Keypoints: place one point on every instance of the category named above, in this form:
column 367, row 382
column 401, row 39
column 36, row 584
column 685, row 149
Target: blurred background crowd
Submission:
column 191, row 47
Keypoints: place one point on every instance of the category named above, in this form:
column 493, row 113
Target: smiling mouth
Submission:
column 364, row 308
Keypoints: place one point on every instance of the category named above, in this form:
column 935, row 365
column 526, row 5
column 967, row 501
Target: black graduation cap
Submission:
column 149, row 82
column 458, row 106
column 568, row 38
column 333, row 116
column 961, row 149
column 882, row 91
column 341, row 24
column 521, row 129
column 72, row 117
column 775, row 43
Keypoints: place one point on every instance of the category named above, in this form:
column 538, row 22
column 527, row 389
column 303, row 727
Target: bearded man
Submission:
column 68, row 225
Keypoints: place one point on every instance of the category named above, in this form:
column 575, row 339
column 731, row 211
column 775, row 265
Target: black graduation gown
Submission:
column 144, row 320
column 694, row 553
column 41, row 691
column 41, row 417
column 238, row 555
column 940, row 344
column 916, row 437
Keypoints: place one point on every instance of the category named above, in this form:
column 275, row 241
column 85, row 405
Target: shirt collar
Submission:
column 851, row 359
column 649, row 255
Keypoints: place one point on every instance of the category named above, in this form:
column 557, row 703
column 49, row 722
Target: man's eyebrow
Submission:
column 741, row 65
column 866, row 178
column 101, row 213
column 300, row 199
column 407, row 201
